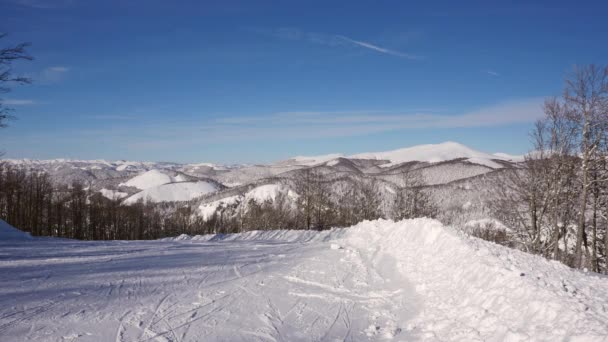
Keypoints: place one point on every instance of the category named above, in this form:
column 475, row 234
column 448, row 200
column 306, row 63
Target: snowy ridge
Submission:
column 432, row 153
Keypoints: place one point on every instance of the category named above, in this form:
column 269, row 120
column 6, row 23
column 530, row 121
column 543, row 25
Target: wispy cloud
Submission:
column 378, row 48
column 51, row 74
column 331, row 40
column 18, row 102
column 112, row 117
column 145, row 137
column 44, row 4
column 292, row 126
column 492, row 73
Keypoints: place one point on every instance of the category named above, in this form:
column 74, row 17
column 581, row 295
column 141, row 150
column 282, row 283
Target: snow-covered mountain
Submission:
column 439, row 164
column 434, row 153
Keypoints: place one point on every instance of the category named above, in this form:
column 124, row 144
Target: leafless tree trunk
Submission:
column 586, row 99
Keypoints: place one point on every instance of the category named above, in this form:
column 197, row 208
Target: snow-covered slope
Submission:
column 148, row 179
column 10, row 233
column 432, row 153
column 259, row 194
column 183, row 191
column 379, row 280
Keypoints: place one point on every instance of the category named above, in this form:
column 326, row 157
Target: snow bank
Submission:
column 475, row 290
column 8, row 232
column 183, row 191
column 266, row 235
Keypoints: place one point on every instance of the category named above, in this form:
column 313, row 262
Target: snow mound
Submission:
column 10, row 233
column 432, row 153
column 148, row 179
column 183, row 191
column 476, row 290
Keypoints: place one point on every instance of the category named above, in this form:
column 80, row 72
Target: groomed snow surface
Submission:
column 410, row 280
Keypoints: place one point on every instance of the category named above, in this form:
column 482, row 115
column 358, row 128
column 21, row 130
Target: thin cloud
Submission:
column 331, row 40
column 44, row 4
column 492, row 73
column 18, row 102
column 378, row 48
column 52, row 74
column 142, row 136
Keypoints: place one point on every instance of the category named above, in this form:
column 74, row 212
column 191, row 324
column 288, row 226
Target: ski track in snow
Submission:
column 376, row 281
column 55, row 290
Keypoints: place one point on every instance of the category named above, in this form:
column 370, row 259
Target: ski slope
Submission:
column 380, row 280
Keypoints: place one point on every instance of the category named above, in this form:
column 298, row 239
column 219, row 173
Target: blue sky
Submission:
column 258, row 81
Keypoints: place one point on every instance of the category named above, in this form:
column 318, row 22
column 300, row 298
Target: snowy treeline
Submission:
column 33, row 203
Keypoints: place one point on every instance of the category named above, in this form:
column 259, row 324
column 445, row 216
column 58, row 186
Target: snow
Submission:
column 513, row 158
column 183, row 191
column 113, row 194
column 259, row 194
column 148, row 179
column 432, row 153
column 409, row 280
column 268, row 192
column 206, row 210
column 314, row 160
column 8, row 232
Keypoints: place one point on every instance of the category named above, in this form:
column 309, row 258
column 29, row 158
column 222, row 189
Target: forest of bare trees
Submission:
column 556, row 201
column 31, row 202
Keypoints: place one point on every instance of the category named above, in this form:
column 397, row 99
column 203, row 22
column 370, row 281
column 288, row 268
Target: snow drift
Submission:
column 475, row 290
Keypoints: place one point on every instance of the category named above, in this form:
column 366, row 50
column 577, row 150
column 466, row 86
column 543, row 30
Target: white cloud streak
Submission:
column 332, row 40
column 290, row 126
column 18, row 102
column 378, row 48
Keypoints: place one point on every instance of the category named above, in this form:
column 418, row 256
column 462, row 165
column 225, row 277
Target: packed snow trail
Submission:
column 410, row 280
column 61, row 290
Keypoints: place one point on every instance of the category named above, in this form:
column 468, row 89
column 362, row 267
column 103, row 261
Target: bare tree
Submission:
column 411, row 200
column 8, row 56
column 586, row 101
